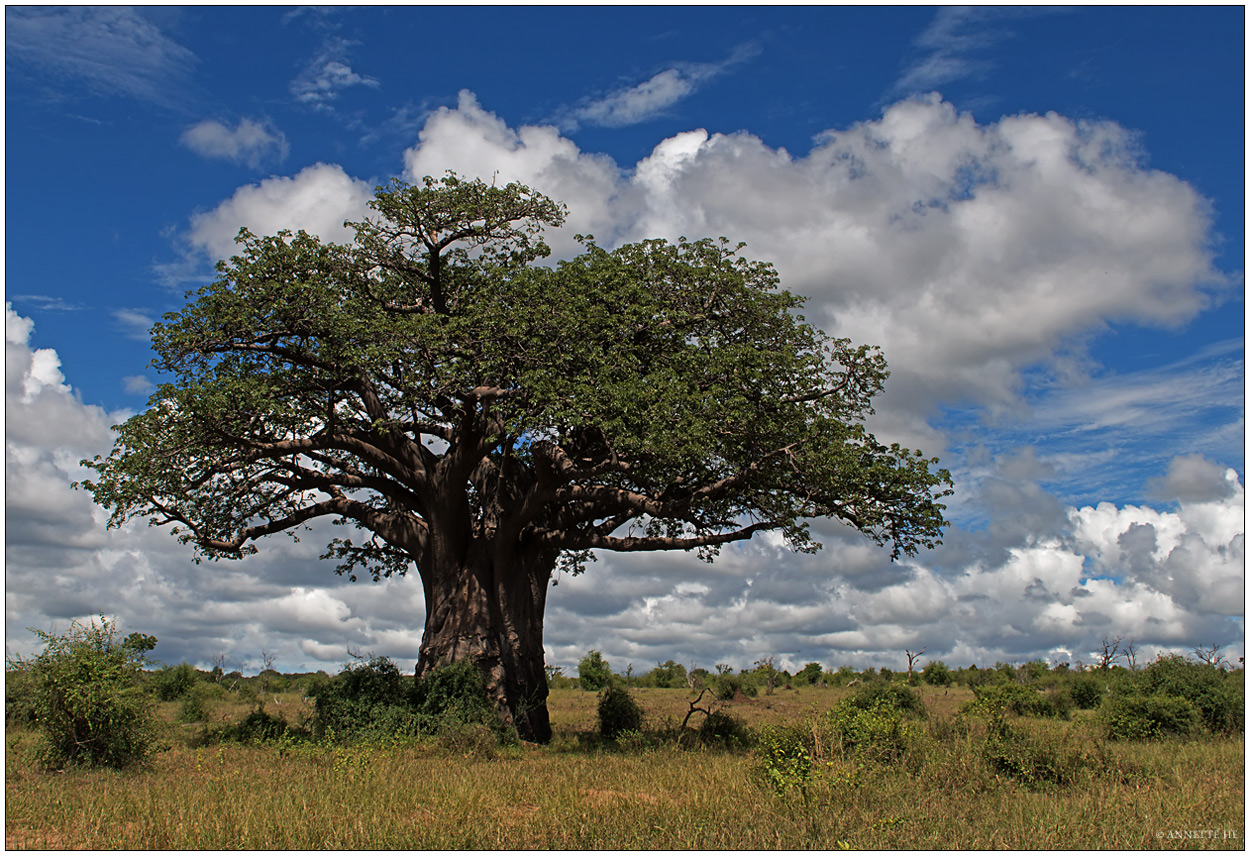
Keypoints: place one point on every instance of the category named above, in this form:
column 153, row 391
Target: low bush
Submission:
column 784, row 758
column 880, row 694
column 1216, row 695
column 879, row 733
column 728, row 686
column 1034, row 759
column 618, row 712
column 172, row 683
column 1020, row 700
column 257, row 727
column 1087, row 691
column 87, row 699
column 724, row 730
column 1142, row 717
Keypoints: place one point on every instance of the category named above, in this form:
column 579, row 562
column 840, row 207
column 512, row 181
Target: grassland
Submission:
column 580, row 793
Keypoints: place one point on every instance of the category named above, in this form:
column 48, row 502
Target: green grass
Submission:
column 580, row 793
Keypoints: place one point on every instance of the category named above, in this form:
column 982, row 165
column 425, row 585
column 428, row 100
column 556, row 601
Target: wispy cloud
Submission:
column 109, row 50
column 135, row 323
column 327, row 75
column 250, row 142
column 46, row 303
column 955, row 45
column 630, row 105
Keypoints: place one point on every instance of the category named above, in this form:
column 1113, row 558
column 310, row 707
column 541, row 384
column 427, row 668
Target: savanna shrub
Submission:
column 454, row 695
column 880, row 694
column 367, row 695
column 810, row 674
column 1087, row 691
column 724, row 730
column 172, row 683
column 784, row 758
column 727, row 686
column 879, row 733
column 1146, row 717
column 256, row 727
column 87, row 698
column 1033, row 759
column 1217, row 696
column 618, row 712
column 593, row 672
column 1018, row 699
column 21, row 700
column 936, row 674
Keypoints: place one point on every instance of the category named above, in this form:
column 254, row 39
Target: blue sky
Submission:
column 1039, row 214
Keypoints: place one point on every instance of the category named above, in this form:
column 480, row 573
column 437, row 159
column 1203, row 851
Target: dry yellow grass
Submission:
column 566, row 796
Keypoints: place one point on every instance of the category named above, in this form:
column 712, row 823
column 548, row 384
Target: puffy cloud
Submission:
column 1194, row 478
column 317, row 199
column 250, row 142
column 476, row 143
column 967, row 251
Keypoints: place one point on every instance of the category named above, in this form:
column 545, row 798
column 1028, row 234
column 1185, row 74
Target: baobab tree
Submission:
column 487, row 419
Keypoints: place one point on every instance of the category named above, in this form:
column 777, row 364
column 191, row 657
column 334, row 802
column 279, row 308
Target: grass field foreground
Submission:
column 579, row 793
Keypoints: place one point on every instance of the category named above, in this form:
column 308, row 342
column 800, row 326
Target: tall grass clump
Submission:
column 87, row 700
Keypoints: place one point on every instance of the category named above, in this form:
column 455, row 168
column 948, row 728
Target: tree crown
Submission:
column 432, row 378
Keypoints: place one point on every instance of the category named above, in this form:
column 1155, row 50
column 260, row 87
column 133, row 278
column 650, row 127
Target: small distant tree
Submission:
column 767, row 669
column 810, row 674
column 936, row 674
column 88, row 701
column 669, row 674
column 593, row 672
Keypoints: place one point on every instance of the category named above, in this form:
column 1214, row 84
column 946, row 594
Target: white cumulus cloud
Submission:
column 250, row 142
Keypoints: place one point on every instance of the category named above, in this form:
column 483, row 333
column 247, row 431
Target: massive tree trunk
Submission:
column 488, row 607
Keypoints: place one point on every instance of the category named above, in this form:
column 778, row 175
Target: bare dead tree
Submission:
column 911, row 662
column 1130, row 654
column 1210, row 655
column 1110, row 653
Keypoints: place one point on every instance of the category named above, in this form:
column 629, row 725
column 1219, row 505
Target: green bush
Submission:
column 724, row 730
column 257, row 727
column 1020, row 700
column 1033, row 759
column 886, row 695
column 369, row 695
column 879, row 733
column 455, row 695
column 172, row 683
column 936, row 674
column 618, row 712
column 1216, row 695
column 87, row 698
column 1087, row 691
column 727, row 686
column 1142, row 717
column 784, row 757
column 371, row 699
column 21, row 698
column 593, row 672
column 810, row 675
